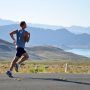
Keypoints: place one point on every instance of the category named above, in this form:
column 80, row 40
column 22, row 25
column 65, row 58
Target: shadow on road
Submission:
column 61, row 80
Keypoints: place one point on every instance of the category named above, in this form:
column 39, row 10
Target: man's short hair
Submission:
column 22, row 23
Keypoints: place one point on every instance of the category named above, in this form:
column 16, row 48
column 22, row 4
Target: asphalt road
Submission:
column 45, row 82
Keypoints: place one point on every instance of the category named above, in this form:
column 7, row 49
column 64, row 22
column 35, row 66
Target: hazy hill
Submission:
column 79, row 29
column 69, row 37
column 53, row 27
column 73, row 29
column 7, row 52
column 6, row 22
column 60, row 37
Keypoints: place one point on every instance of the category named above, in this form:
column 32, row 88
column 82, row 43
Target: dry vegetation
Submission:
column 50, row 67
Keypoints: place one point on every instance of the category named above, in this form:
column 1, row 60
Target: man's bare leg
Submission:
column 23, row 58
column 9, row 72
column 13, row 63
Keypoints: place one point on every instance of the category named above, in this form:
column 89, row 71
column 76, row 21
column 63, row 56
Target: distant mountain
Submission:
column 73, row 29
column 6, row 22
column 79, row 29
column 61, row 37
column 53, row 27
column 9, row 22
column 7, row 52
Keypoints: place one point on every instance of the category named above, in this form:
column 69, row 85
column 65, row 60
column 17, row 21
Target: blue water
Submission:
column 84, row 52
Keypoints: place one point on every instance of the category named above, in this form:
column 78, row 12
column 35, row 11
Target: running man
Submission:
column 21, row 54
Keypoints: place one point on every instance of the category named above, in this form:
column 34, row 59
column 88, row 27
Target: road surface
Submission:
column 45, row 82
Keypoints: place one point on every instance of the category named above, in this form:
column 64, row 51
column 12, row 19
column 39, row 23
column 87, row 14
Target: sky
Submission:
column 51, row 12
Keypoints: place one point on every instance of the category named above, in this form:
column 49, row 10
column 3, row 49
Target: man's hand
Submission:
column 14, row 42
column 28, row 37
column 13, row 38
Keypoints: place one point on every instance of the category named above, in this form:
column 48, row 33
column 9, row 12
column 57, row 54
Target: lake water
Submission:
column 84, row 52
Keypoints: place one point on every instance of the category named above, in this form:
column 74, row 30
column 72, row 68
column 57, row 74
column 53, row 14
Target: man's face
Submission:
column 24, row 26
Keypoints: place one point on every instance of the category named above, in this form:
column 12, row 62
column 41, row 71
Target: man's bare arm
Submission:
column 12, row 35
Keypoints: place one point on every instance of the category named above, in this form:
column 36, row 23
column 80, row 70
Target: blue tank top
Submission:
column 20, row 41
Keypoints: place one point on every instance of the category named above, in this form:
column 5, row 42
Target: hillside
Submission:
column 7, row 52
column 79, row 29
column 60, row 37
column 74, row 29
column 6, row 22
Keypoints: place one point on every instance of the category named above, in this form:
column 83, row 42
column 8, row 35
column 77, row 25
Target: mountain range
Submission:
column 6, row 22
column 7, row 52
column 66, row 38
column 79, row 29
column 61, row 37
column 74, row 29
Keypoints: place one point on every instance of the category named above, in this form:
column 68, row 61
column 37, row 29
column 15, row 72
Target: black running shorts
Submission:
column 20, row 51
